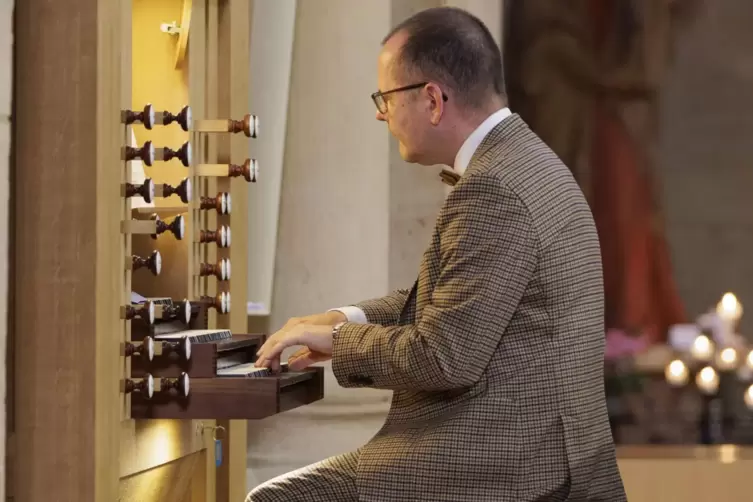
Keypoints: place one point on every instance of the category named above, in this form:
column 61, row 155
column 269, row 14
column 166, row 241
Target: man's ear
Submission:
column 436, row 102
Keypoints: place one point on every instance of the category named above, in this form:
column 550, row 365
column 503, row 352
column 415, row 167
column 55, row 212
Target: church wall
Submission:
column 705, row 157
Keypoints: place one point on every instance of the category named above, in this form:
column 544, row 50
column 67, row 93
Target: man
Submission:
column 495, row 356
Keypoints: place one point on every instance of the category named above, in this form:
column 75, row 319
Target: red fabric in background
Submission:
column 638, row 279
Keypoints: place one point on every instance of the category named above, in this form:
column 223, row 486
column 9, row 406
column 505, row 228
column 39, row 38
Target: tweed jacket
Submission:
column 496, row 355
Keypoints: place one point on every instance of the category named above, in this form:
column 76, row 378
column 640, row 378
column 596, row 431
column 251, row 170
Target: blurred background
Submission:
column 648, row 102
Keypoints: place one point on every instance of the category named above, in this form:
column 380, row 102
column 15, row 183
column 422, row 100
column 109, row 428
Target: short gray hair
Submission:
column 451, row 47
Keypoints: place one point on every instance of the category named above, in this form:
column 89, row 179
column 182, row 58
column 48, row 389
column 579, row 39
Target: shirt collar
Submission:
column 472, row 142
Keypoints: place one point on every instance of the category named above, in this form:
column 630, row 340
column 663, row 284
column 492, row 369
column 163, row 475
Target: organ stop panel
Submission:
column 151, row 194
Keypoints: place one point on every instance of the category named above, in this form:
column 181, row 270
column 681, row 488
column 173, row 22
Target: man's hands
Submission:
column 314, row 332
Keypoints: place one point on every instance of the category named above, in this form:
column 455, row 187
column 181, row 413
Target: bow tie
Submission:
column 449, row 177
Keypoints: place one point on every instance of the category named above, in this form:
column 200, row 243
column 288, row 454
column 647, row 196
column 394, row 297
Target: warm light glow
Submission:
column 676, row 373
column 750, row 360
column 727, row 359
column 729, row 308
column 702, row 348
column 728, row 453
column 749, row 397
column 707, row 380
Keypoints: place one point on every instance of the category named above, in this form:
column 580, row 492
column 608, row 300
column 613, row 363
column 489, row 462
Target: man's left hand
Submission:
column 316, row 341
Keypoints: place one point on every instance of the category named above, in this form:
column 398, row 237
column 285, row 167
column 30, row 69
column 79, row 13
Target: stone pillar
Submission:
column 333, row 226
column 6, row 85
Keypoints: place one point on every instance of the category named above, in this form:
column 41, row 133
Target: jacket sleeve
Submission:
column 385, row 310
column 489, row 253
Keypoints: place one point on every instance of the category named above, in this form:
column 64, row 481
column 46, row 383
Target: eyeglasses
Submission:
column 381, row 104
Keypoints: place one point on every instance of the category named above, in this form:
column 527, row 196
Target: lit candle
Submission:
column 749, row 397
column 707, row 380
column 727, row 359
column 702, row 348
column 676, row 373
column 729, row 309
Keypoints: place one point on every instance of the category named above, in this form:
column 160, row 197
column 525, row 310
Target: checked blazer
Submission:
column 496, row 355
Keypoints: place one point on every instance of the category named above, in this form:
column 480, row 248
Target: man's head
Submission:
column 453, row 70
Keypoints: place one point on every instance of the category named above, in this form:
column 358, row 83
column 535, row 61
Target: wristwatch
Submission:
column 336, row 329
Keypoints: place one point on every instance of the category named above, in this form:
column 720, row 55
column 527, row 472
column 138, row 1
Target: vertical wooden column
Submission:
column 199, row 85
column 234, row 40
column 67, row 246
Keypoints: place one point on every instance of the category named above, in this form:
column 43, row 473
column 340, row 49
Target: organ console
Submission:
column 161, row 345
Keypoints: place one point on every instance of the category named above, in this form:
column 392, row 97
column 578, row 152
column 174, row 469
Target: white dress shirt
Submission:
column 462, row 159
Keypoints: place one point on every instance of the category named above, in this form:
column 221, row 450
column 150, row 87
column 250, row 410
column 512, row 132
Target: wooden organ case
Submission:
column 131, row 369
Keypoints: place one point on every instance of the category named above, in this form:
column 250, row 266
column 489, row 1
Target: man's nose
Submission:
column 381, row 116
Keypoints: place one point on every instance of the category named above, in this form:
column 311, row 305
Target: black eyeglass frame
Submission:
column 377, row 96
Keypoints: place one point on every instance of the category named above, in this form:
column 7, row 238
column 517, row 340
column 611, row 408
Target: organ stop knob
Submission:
column 249, row 126
column 144, row 386
column 145, row 349
column 145, row 116
column 249, row 170
column 221, row 270
column 145, row 154
column 183, row 154
column 183, row 190
column 146, row 190
column 183, row 118
column 182, row 384
column 144, row 312
column 182, row 347
column 221, row 302
column 221, row 237
column 177, row 226
column 180, row 311
column 221, row 203
column 153, row 263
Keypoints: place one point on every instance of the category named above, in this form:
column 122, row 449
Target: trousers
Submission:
column 331, row 480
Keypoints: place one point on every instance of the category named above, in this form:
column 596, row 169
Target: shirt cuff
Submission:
column 354, row 314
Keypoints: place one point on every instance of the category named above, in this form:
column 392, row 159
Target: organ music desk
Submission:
column 130, row 365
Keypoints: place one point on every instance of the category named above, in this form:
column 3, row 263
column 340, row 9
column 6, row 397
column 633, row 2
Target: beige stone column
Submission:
column 333, row 225
column 6, row 85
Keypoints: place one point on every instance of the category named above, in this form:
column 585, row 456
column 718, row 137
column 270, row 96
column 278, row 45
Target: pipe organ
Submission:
column 132, row 366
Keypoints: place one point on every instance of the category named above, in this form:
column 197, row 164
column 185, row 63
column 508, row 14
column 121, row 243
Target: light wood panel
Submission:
column 233, row 40
column 67, row 244
column 170, row 482
column 686, row 473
